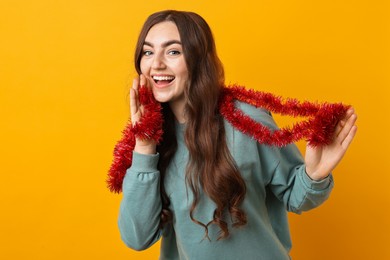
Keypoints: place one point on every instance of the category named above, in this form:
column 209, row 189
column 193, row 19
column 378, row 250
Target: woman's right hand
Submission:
column 137, row 111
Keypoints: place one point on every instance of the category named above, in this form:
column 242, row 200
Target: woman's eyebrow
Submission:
column 165, row 44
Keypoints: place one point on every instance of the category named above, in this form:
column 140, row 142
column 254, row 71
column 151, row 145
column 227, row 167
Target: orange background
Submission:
column 65, row 71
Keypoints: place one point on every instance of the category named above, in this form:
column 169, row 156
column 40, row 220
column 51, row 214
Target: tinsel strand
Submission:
column 317, row 130
column 149, row 127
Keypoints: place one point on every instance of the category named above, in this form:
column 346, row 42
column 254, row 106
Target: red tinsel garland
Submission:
column 149, row 127
column 318, row 129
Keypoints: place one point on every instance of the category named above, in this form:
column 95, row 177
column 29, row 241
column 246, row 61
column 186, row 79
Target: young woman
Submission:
column 208, row 190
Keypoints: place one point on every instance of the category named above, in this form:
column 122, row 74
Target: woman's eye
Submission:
column 147, row 53
column 174, row 52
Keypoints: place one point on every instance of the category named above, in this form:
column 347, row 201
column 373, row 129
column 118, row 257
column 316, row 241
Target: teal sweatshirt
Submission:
column 276, row 182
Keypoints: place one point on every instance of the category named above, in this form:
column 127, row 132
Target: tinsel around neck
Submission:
column 317, row 129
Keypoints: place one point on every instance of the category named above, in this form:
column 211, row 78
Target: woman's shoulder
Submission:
column 259, row 115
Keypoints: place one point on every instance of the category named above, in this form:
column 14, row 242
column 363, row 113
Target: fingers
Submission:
column 348, row 139
column 136, row 82
column 134, row 101
column 136, row 108
column 342, row 122
column 134, row 96
column 348, row 128
column 142, row 79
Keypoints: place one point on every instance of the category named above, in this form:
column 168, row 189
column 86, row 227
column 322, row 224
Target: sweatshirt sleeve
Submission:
column 140, row 208
column 285, row 172
column 291, row 184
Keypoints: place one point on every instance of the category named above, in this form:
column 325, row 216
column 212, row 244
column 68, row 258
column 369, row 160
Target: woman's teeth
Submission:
column 163, row 78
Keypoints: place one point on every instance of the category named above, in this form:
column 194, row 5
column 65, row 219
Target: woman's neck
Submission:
column 179, row 111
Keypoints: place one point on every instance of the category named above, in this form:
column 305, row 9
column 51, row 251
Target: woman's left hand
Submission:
column 320, row 161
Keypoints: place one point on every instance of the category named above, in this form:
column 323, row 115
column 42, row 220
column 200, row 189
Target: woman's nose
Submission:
column 158, row 62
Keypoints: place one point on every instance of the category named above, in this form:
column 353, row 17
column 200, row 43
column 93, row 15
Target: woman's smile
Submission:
column 161, row 81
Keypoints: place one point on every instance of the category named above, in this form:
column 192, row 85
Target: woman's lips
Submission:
column 162, row 81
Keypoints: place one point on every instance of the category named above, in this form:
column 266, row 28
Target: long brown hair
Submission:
column 213, row 170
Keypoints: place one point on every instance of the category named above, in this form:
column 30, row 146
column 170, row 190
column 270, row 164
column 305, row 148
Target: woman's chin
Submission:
column 160, row 98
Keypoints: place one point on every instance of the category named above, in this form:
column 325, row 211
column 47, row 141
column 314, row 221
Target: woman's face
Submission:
column 163, row 63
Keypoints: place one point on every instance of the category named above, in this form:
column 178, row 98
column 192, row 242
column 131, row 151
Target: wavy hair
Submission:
column 213, row 170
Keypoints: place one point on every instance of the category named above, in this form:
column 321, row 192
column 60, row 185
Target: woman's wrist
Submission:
column 145, row 149
column 316, row 176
